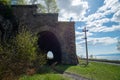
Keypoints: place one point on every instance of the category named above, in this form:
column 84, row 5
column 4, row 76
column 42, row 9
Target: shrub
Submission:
column 19, row 54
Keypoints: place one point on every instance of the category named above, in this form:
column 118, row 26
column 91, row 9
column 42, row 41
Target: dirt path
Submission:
column 74, row 76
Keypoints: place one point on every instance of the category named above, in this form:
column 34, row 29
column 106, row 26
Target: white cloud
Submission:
column 81, row 27
column 77, row 8
column 81, row 35
column 111, row 6
column 95, row 21
column 104, row 29
column 71, row 8
column 77, row 33
column 97, row 41
column 94, row 16
column 79, row 49
column 102, row 40
column 116, row 16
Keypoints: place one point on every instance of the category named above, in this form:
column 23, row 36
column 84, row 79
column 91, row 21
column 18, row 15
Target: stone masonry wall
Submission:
column 38, row 22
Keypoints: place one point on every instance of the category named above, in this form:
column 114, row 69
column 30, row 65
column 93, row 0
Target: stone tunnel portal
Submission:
column 49, row 42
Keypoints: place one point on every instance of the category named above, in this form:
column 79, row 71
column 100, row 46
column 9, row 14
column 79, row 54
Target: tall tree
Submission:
column 48, row 6
column 33, row 1
column 51, row 6
column 21, row 2
column 5, row 1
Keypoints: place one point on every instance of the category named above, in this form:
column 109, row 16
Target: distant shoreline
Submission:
column 115, row 56
column 104, row 60
column 112, row 54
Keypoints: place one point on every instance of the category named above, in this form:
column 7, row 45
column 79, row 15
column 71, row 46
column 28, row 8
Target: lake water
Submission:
column 108, row 56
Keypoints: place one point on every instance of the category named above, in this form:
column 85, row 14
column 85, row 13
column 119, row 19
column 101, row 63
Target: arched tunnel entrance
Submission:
column 48, row 42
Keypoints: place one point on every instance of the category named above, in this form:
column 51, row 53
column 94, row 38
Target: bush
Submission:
column 19, row 54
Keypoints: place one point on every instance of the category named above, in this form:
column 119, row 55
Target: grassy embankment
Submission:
column 94, row 71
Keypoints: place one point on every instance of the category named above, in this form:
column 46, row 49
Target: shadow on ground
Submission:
column 53, row 69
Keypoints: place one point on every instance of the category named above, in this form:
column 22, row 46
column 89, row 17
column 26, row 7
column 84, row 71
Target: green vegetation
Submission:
column 48, row 6
column 45, row 77
column 46, row 73
column 94, row 71
column 21, row 2
column 5, row 1
column 20, row 55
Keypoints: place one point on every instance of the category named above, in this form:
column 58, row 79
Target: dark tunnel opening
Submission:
column 49, row 42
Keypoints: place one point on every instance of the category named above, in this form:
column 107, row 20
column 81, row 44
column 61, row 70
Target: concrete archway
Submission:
column 48, row 42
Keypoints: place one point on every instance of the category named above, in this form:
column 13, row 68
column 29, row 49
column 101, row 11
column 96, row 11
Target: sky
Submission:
column 100, row 17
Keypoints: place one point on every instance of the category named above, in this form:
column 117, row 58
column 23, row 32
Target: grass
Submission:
column 46, row 73
column 45, row 77
column 94, row 71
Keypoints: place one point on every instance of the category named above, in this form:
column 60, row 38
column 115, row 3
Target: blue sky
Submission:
column 102, row 19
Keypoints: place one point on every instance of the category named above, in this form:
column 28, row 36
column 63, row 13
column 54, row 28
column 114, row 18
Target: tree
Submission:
column 33, row 1
column 21, row 2
column 91, row 56
column 5, row 1
column 51, row 6
column 48, row 6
